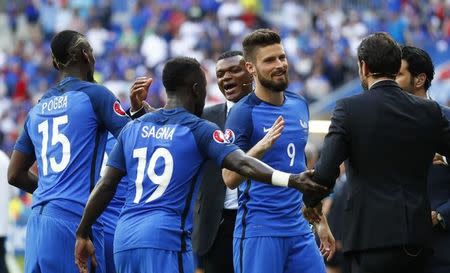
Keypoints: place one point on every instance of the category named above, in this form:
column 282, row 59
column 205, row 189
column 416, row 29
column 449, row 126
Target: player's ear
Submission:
column 250, row 68
column 196, row 89
column 85, row 55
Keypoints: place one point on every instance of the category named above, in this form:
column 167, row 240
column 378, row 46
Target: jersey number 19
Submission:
column 161, row 180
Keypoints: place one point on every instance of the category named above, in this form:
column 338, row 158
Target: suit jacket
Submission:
column 389, row 138
column 211, row 197
column 439, row 194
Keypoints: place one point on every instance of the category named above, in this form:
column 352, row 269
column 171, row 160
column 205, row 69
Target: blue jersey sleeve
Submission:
column 24, row 143
column 116, row 158
column 108, row 109
column 213, row 143
column 239, row 121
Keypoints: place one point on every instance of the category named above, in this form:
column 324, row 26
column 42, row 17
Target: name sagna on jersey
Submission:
column 164, row 132
column 55, row 103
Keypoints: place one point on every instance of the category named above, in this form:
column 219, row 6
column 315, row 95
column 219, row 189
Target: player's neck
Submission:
column 74, row 73
column 269, row 96
column 175, row 102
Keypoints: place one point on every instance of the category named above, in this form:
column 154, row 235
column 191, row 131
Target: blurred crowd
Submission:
column 134, row 38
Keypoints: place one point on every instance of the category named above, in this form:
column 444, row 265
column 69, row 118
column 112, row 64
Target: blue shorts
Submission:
column 152, row 260
column 109, row 253
column 50, row 242
column 298, row 254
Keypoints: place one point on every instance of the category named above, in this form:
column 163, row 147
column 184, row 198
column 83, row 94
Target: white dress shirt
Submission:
column 231, row 196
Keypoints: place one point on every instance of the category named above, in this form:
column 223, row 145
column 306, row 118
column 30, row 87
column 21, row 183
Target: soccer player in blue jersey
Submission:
column 65, row 132
column 271, row 235
column 162, row 154
column 111, row 214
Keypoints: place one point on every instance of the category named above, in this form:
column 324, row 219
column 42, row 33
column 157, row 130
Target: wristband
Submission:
column 280, row 179
column 134, row 112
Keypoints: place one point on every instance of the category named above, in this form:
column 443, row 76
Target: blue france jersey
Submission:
column 266, row 210
column 162, row 154
column 66, row 131
column 112, row 211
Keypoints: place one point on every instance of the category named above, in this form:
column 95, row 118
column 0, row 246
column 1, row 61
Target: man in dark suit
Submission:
column 215, row 210
column 415, row 76
column 389, row 138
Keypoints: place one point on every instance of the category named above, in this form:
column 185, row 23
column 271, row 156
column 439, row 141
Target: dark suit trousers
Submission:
column 402, row 259
column 219, row 258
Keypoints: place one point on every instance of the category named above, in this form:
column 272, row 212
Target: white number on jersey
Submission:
column 291, row 153
column 161, row 180
column 57, row 137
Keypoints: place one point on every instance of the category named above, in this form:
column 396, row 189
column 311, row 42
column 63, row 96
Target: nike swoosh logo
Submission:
column 304, row 124
column 266, row 129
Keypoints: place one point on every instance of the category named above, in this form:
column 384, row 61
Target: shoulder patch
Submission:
column 117, row 107
column 225, row 138
column 229, row 135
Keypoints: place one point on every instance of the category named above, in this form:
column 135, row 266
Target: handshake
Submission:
column 313, row 192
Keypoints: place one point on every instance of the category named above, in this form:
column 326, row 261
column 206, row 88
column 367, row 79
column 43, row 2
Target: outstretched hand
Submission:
column 84, row 248
column 139, row 92
column 272, row 135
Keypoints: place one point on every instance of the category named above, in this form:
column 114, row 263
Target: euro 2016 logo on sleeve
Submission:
column 118, row 109
column 229, row 135
column 223, row 138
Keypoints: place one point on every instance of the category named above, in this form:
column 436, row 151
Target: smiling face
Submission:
column 271, row 67
column 233, row 79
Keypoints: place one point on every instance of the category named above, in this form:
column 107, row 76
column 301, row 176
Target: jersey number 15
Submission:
column 57, row 137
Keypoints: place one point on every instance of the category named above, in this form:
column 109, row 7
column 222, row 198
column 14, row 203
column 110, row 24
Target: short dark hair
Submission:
column 180, row 72
column 259, row 38
column 381, row 54
column 229, row 54
column 63, row 45
column 418, row 62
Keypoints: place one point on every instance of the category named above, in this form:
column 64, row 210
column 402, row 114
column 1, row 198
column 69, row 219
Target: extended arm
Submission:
column 99, row 199
column 327, row 241
column 19, row 174
column 253, row 168
column 233, row 179
column 334, row 152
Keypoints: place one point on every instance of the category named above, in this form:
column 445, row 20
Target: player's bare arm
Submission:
column 233, row 179
column 19, row 174
column 327, row 241
column 248, row 166
column 98, row 200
